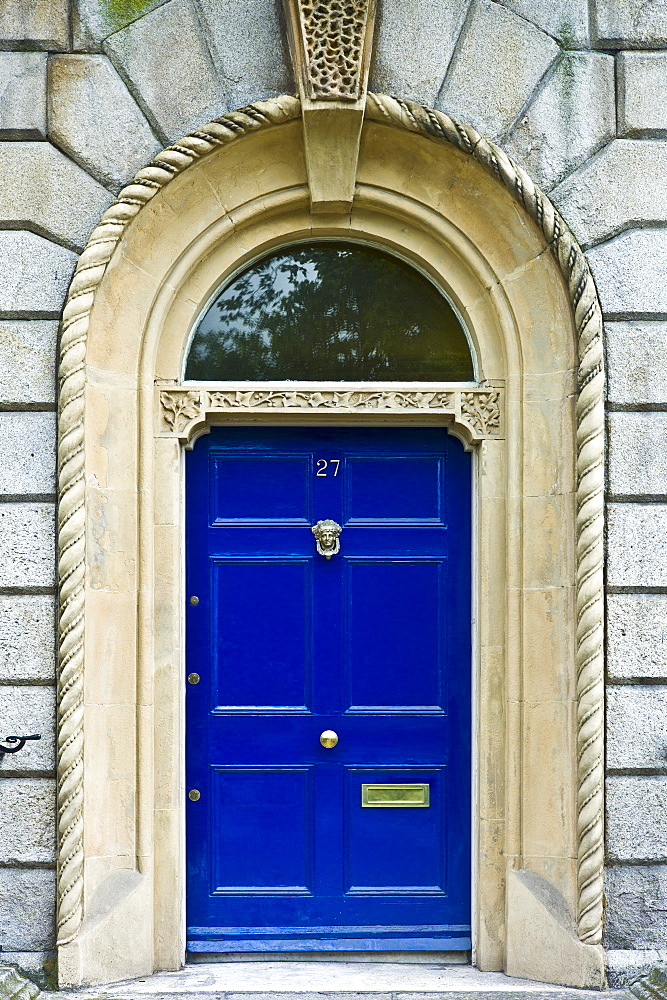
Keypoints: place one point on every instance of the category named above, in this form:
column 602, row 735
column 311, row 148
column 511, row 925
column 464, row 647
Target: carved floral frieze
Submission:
column 477, row 411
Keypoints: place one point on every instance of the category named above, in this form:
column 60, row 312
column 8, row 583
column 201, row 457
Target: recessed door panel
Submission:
column 393, row 488
column 260, row 487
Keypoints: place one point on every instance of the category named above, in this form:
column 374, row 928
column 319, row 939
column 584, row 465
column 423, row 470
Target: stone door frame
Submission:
column 433, row 191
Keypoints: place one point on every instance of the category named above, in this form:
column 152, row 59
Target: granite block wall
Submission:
column 575, row 90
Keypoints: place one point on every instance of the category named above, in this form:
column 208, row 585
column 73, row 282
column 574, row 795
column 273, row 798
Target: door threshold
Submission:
column 396, row 957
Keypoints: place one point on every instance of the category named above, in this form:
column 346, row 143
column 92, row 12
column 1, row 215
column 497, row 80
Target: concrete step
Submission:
column 301, row 980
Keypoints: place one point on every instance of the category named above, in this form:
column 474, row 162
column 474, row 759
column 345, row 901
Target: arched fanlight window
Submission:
column 330, row 311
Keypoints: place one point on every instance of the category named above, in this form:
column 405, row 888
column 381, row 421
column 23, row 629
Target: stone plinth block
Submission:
column 41, row 186
column 29, row 709
column 177, row 94
column 96, row 121
column 637, row 636
column 498, row 62
column 27, row 545
column 93, row 20
column 629, row 272
column 637, row 736
column 566, row 20
column 634, row 557
column 626, row 183
column 642, row 93
column 27, row 453
column 249, row 44
column 34, row 276
column 28, row 828
column 570, row 117
column 637, row 818
column 22, row 95
column 637, row 454
column 27, row 914
column 636, row 897
column 40, row 24
column 630, row 24
column 414, row 41
column 636, row 362
column 27, row 637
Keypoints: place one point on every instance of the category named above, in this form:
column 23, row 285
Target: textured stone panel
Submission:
column 27, row 637
column 39, row 24
column 28, row 361
column 625, row 184
column 634, row 559
column 642, row 93
column 497, row 64
column 637, row 636
column 22, row 95
column 34, row 274
column 29, row 961
column 42, row 187
column 629, row 272
column 28, row 828
column 27, row 453
column 249, row 45
column 566, row 20
column 638, row 453
column 95, row 120
column 177, row 94
column 28, row 709
column 636, row 362
column 634, row 24
column 93, row 20
column 414, row 41
column 27, row 915
column 27, row 541
column 637, row 818
column 571, row 116
column 636, row 911
column 637, row 732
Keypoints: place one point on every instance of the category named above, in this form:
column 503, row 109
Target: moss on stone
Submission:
column 121, row 12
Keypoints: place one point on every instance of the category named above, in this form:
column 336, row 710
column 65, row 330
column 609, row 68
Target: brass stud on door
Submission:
column 329, row 739
column 193, row 678
column 194, row 600
column 194, row 795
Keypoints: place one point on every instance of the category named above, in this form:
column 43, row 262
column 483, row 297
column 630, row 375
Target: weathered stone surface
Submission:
column 13, row 985
column 637, row 636
column 93, row 20
column 27, row 453
column 629, row 272
column 22, row 95
column 40, row 24
column 27, row 637
column 95, row 120
column 40, row 186
column 570, row 117
column 636, row 733
column 414, row 41
column 634, row 559
column 29, row 709
column 249, row 46
column 28, row 828
column 625, row 184
column 27, row 544
column 638, row 454
column 27, row 913
column 34, row 274
column 630, row 24
column 636, row 362
column 566, row 20
column 497, row 64
column 625, row 965
column 642, row 93
column 28, row 361
column 637, row 818
column 175, row 93
column 636, row 911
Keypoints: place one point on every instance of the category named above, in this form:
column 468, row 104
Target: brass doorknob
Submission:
column 328, row 738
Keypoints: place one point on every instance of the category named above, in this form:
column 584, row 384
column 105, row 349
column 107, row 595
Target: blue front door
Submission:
column 292, row 845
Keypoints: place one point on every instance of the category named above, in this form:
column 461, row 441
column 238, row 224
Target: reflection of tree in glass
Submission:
column 330, row 311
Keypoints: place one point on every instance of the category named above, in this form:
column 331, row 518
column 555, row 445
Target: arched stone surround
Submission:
column 466, row 217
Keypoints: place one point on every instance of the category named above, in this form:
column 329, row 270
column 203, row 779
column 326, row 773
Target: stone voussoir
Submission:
column 642, row 93
column 23, row 95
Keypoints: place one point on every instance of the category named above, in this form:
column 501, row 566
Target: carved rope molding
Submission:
column 477, row 412
column 71, row 510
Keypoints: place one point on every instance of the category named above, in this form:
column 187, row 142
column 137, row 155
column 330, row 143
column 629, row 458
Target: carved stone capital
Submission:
column 474, row 413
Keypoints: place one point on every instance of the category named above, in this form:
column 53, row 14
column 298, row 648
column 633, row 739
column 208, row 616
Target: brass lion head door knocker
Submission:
column 326, row 536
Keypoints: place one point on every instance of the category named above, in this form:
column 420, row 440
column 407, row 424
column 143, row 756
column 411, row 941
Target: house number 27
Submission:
column 322, row 465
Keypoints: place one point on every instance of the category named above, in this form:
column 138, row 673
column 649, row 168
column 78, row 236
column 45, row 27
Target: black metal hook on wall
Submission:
column 12, row 744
